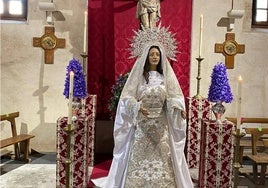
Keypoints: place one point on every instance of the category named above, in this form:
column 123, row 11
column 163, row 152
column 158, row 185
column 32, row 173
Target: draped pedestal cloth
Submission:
column 198, row 110
column 216, row 157
column 82, row 146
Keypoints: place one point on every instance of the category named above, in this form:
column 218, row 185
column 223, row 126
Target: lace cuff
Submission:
column 133, row 108
column 174, row 103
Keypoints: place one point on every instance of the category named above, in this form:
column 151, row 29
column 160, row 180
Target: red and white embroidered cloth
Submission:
column 216, row 154
column 82, row 146
column 198, row 109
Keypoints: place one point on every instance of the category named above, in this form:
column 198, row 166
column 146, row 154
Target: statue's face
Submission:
column 154, row 57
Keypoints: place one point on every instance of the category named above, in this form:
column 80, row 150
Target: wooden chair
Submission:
column 16, row 139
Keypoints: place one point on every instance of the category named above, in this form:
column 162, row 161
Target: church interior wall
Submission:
column 35, row 89
column 28, row 85
column 250, row 65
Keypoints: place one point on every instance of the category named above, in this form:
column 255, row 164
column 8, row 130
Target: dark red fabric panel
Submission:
column 101, row 59
column 111, row 25
column 178, row 15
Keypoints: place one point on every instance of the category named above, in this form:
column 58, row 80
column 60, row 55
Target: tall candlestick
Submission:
column 71, row 88
column 238, row 121
column 85, row 33
column 201, row 35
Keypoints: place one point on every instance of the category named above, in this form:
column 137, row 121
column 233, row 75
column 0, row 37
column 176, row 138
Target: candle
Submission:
column 201, row 35
column 238, row 121
column 85, row 33
column 71, row 87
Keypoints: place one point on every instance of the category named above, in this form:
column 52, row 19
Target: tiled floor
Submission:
column 41, row 173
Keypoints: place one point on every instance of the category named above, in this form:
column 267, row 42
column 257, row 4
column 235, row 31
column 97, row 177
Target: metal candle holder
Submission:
column 69, row 129
column 84, row 65
column 198, row 96
column 238, row 135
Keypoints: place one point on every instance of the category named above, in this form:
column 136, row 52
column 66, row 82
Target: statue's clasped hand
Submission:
column 183, row 113
column 144, row 111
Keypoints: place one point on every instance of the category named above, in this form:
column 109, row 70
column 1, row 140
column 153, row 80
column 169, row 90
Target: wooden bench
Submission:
column 262, row 160
column 248, row 142
column 258, row 159
column 265, row 143
column 16, row 139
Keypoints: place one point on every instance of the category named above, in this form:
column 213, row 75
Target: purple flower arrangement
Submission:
column 219, row 90
column 79, row 80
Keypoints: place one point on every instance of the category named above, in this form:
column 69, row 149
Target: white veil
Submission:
column 135, row 77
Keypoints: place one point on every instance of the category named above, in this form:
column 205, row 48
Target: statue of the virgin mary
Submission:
column 150, row 125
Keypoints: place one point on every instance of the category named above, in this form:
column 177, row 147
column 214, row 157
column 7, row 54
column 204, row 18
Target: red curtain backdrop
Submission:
column 110, row 26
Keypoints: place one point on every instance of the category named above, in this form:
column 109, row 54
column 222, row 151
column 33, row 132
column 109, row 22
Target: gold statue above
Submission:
column 148, row 11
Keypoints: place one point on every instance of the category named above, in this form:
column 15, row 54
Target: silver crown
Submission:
column 158, row 34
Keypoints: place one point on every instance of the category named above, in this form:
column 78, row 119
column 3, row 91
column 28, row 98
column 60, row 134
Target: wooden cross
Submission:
column 49, row 42
column 229, row 48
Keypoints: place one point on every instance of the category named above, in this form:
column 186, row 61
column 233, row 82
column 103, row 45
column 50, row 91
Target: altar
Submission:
column 209, row 143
